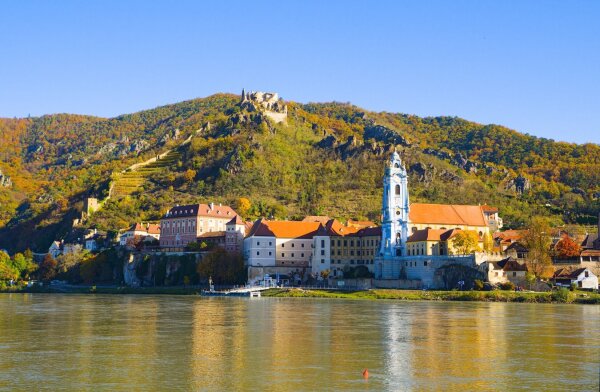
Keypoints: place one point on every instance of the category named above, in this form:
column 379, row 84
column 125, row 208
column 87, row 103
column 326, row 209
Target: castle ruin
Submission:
column 269, row 103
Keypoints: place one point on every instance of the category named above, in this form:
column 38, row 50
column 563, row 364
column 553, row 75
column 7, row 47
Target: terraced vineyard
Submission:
column 132, row 181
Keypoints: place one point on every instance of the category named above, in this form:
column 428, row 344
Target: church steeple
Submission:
column 395, row 208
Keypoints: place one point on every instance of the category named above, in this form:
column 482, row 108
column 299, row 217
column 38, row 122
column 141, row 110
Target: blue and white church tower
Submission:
column 395, row 208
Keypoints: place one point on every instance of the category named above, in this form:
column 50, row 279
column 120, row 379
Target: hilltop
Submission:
column 320, row 158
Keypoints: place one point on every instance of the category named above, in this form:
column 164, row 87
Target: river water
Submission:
column 94, row 342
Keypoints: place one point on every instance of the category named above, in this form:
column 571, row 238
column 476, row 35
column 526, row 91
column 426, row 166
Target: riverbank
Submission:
column 561, row 296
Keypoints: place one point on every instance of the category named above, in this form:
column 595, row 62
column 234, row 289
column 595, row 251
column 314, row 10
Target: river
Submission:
column 129, row 342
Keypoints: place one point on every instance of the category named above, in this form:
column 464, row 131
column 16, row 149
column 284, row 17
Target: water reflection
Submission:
column 189, row 343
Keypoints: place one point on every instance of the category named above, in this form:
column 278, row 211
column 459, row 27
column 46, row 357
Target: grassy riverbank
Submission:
column 562, row 296
column 169, row 290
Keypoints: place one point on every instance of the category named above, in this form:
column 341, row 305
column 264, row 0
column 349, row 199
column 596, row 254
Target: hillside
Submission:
column 327, row 159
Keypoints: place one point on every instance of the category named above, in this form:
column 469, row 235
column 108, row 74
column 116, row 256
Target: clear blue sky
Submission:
column 533, row 66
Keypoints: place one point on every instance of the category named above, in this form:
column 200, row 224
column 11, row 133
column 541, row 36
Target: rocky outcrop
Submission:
column 458, row 159
column 385, row 135
column 462, row 162
column 426, row 173
column 518, row 185
column 437, row 153
column 5, row 180
column 353, row 147
column 124, row 147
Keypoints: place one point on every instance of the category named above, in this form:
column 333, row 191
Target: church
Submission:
column 417, row 239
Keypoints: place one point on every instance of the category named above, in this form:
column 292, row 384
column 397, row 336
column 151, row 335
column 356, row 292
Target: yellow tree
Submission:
column 243, row 206
column 466, row 242
column 537, row 240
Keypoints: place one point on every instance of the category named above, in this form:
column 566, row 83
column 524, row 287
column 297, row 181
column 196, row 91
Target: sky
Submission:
column 533, row 66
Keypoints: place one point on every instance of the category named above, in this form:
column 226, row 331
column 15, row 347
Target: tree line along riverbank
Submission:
column 559, row 296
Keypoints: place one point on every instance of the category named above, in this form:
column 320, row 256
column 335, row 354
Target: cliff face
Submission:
column 324, row 158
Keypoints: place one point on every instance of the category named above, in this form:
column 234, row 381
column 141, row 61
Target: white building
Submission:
column 280, row 247
column 584, row 278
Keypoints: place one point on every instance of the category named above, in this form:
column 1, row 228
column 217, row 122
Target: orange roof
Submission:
column 150, row 228
column 446, row 214
column 316, row 218
column 153, row 228
column 486, row 208
column 360, row 224
column 284, row 229
column 510, row 235
column 432, row 235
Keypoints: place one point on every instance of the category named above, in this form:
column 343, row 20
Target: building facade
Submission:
column 184, row 224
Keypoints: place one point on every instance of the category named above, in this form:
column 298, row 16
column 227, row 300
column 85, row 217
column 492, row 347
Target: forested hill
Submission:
column 326, row 159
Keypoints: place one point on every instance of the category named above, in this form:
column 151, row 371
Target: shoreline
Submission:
column 576, row 297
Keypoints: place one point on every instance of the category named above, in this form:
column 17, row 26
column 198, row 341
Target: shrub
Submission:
column 562, row 295
column 477, row 285
column 573, row 286
column 507, row 286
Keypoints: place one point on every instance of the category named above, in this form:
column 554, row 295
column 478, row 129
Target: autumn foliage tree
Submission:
column 537, row 240
column 47, row 270
column 466, row 242
column 566, row 248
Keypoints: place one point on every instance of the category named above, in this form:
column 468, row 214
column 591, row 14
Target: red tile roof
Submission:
column 486, row 208
column 511, row 264
column 322, row 219
column 446, row 214
column 204, row 210
column 284, row 229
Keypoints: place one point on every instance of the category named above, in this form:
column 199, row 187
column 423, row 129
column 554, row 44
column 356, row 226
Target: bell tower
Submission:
column 395, row 208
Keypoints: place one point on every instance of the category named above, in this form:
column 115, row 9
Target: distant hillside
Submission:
column 327, row 159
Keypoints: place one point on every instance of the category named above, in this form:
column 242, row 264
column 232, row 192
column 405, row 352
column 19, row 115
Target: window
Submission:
column 292, row 255
column 293, row 245
column 258, row 253
column 322, row 243
column 345, row 242
column 270, row 243
column 514, row 274
column 302, row 254
column 322, row 261
column 322, row 252
column 258, row 244
column 283, row 245
column 397, row 189
column 352, row 243
column 283, row 255
column 425, row 264
column 303, row 245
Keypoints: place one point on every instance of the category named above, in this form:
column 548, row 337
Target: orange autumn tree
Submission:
column 566, row 248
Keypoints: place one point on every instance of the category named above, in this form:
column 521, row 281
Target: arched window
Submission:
column 397, row 189
column 397, row 165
